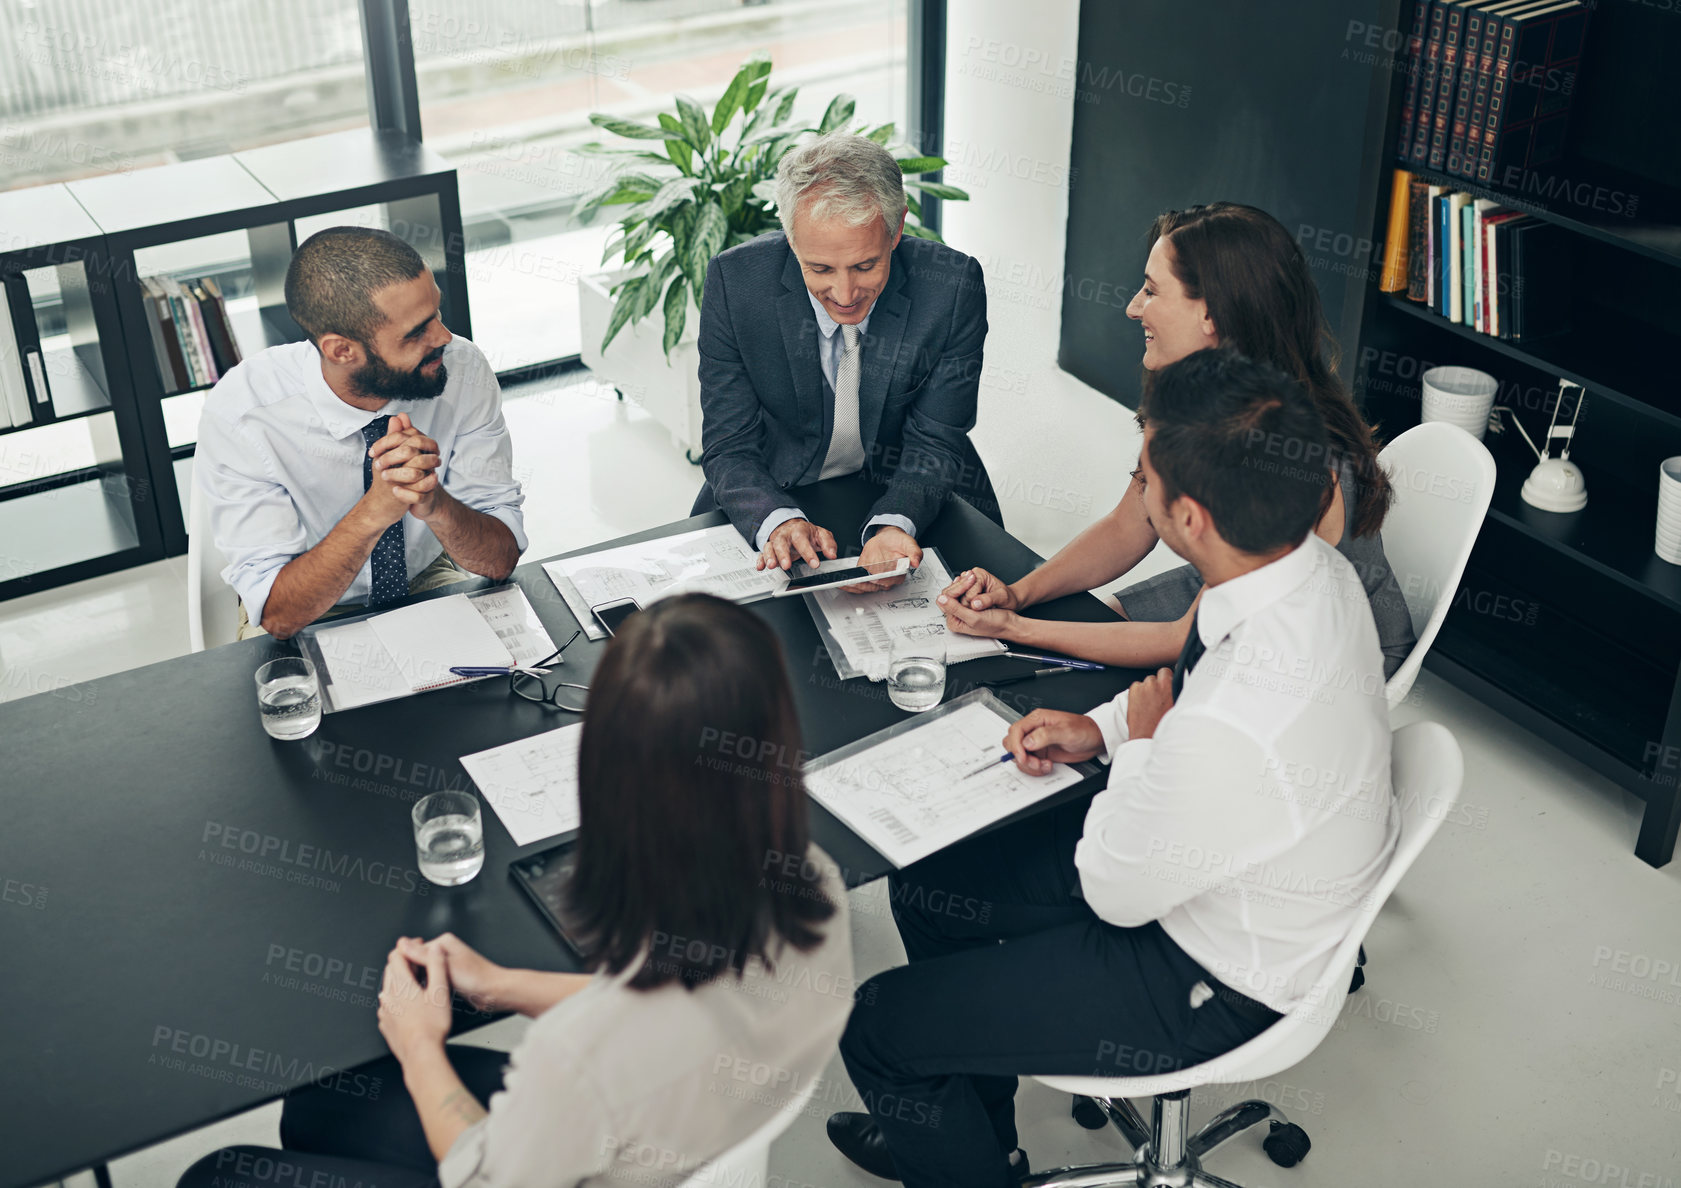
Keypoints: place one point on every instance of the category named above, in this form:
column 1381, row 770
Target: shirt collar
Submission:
column 340, row 419
column 1224, row 606
column 828, row 325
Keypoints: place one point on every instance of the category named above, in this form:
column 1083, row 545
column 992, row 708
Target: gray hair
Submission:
column 846, row 176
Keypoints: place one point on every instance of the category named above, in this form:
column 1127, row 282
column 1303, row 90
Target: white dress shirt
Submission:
column 616, row 1086
column 279, row 460
column 829, row 347
column 1256, row 822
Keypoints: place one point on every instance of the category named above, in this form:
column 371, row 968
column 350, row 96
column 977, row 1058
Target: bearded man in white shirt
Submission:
column 365, row 464
column 1247, row 816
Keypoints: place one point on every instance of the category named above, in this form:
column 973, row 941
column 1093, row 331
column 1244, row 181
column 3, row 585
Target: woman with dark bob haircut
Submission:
column 721, row 974
column 1217, row 275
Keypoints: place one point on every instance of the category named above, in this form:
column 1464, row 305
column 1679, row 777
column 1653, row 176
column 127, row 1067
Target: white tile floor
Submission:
column 1513, row 1031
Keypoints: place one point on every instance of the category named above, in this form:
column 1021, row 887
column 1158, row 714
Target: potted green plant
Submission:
column 700, row 184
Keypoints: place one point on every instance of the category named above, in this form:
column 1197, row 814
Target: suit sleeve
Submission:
column 931, row 464
column 732, row 429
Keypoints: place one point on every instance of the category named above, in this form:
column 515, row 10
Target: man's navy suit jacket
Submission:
column 767, row 416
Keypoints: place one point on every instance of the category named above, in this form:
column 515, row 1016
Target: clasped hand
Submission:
column 977, row 603
column 405, row 463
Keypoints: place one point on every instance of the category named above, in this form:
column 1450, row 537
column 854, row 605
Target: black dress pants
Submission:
column 342, row 1134
column 1011, row 974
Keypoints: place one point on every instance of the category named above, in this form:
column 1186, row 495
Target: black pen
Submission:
column 1028, row 676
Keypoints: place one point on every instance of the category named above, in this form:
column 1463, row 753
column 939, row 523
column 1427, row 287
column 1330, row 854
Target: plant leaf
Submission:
column 921, row 232
column 695, row 128
column 912, row 205
column 676, row 311
column 881, row 133
column 775, row 132
column 677, row 190
column 677, row 148
column 733, row 193
column 731, row 100
column 939, row 190
column 838, row 113
column 711, row 229
column 615, row 191
column 786, row 107
column 921, row 164
column 627, row 296
column 628, row 128
column 755, row 93
column 765, row 191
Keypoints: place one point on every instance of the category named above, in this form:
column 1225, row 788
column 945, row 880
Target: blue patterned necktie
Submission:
column 388, row 569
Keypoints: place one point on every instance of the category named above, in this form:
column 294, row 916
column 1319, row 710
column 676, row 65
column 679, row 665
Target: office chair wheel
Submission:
column 1287, row 1144
column 1087, row 1113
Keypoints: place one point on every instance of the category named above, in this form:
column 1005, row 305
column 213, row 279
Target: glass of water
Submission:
column 289, row 697
column 449, row 837
column 916, row 670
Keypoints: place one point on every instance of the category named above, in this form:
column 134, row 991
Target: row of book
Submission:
column 1501, row 272
column 192, row 337
column 25, row 396
column 1488, row 84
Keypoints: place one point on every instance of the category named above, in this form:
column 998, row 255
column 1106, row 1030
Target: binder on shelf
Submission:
column 28, row 338
column 1447, row 79
column 1536, row 70
column 224, row 345
column 1427, row 84
column 1397, row 240
column 1415, row 75
column 1418, row 247
column 14, row 390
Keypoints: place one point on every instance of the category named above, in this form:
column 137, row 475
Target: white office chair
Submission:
column 1443, row 479
column 212, row 606
column 747, row 1165
column 1427, row 771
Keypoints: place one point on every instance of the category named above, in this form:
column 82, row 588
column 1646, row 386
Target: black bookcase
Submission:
column 100, row 235
column 1592, row 663
column 76, row 498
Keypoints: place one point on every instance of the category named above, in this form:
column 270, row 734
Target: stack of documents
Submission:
column 709, row 560
column 395, row 653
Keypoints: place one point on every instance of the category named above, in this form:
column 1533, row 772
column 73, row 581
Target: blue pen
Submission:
column 1082, row 665
column 990, row 764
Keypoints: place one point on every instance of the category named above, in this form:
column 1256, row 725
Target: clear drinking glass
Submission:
column 449, row 837
column 289, row 697
column 916, row 668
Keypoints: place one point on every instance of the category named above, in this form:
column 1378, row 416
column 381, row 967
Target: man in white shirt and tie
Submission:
column 1247, row 817
column 839, row 346
column 367, row 463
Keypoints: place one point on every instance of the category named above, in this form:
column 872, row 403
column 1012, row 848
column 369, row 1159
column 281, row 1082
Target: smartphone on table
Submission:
column 611, row 615
column 804, row 580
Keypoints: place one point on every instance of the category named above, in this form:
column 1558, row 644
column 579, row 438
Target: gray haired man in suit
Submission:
column 834, row 346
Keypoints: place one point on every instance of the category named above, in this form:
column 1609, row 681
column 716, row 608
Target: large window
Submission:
column 506, row 88
column 103, row 86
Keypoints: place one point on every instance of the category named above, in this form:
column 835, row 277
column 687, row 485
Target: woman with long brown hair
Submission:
column 720, row 974
column 1220, row 275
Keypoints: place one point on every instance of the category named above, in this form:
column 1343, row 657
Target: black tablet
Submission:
column 545, row 877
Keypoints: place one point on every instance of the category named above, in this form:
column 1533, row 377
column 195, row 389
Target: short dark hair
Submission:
column 334, row 274
column 692, row 810
column 1244, row 440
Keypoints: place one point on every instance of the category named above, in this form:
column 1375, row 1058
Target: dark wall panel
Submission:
column 1277, row 105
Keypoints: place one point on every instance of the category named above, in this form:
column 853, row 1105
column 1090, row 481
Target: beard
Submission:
column 379, row 380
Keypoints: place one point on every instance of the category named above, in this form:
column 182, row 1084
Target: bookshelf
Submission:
column 1595, row 668
column 97, row 237
column 75, row 491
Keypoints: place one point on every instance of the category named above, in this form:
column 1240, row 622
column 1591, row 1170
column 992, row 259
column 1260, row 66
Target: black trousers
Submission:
column 375, row 1140
column 1012, row 974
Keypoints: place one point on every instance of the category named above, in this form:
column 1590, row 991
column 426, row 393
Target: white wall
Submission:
column 1059, row 452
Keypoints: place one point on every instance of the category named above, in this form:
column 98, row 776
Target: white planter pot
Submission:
column 635, row 364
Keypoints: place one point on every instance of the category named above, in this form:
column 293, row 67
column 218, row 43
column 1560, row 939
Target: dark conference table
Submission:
column 195, row 917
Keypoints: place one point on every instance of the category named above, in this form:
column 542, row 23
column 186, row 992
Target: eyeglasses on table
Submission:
column 530, row 685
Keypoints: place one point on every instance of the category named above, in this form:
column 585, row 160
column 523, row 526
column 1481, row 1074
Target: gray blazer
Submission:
column 767, row 415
